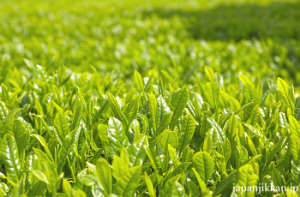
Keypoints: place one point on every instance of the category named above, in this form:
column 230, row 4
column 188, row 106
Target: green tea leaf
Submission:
column 116, row 136
column 178, row 104
column 10, row 157
column 204, row 165
column 128, row 182
column 104, row 175
column 284, row 91
column 189, row 125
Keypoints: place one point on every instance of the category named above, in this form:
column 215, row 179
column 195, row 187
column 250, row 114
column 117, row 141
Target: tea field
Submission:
column 149, row 98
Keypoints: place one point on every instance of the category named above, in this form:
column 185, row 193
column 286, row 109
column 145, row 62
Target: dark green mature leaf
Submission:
column 177, row 105
column 10, row 157
column 296, row 111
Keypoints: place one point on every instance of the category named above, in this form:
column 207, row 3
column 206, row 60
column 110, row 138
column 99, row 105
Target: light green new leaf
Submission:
column 203, row 189
column 204, row 165
column 178, row 190
column 67, row 188
column 162, row 107
column 116, row 109
column 226, row 184
column 210, row 73
column 40, row 175
column 49, row 170
column 208, row 144
column 61, row 125
column 3, row 111
column 153, row 111
column 215, row 125
column 116, row 136
column 164, row 123
column 254, row 115
column 103, row 107
column 193, row 188
column 226, row 149
column 245, row 178
column 103, row 135
column 151, row 189
column 137, row 153
column 79, row 193
column 138, row 81
column 124, row 155
column 118, row 166
column 44, row 144
column 251, row 146
column 63, row 152
column 168, row 137
column 212, row 94
column 169, row 186
column 284, row 91
column 173, row 155
column 277, row 178
column 17, row 129
column 294, row 126
column 151, row 157
column 294, row 141
column 178, row 104
column 249, row 90
column 242, row 155
column 10, row 157
column 231, row 127
column 188, row 129
column 5, row 95
column 77, row 117
column 128, row 182
column 104, row 175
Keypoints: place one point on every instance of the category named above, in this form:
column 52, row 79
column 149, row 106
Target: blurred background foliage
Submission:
column 168, row 37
